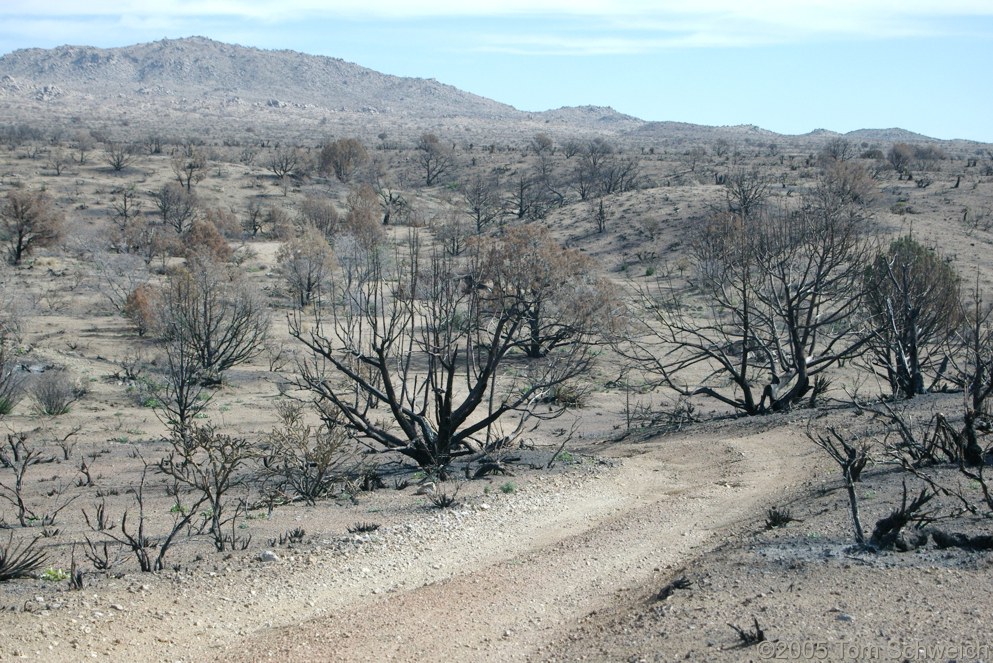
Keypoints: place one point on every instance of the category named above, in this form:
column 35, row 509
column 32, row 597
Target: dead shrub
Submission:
column 205, row 240
column 143, row 307
column 11, row 381
column 211, row 465
column 362, row 221
column 279, row 223
column 307, row 460
column 225, row 221
column 55, row 391
column 320, row 213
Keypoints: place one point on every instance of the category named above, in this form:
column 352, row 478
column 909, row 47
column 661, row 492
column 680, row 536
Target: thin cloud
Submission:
column 760, row 10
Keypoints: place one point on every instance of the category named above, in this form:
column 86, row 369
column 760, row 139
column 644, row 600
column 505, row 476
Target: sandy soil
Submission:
column 502, row 577
column 545, row 565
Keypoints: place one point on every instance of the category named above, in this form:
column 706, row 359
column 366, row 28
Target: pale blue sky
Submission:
column 786, row 65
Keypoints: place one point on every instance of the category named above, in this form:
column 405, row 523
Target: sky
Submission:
column 790, row 66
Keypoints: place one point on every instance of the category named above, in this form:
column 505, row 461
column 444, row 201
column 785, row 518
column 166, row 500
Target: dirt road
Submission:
column 506, row 576
column 512, row 590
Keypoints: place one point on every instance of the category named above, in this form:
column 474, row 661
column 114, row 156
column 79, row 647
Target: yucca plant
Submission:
column 19, row 561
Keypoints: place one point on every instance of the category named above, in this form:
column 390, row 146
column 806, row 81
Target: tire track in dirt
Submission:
column 668, row 501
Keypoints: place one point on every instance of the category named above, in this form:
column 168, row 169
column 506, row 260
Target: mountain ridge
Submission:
column 180, row 78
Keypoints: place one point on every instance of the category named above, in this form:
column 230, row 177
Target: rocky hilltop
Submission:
column 202, row 68
column 200, row 86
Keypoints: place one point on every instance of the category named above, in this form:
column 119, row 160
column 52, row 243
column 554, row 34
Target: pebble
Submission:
column 268, row 556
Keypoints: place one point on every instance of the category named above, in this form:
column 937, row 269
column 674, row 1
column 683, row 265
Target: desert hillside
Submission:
column 300, row 361
column 188, row 85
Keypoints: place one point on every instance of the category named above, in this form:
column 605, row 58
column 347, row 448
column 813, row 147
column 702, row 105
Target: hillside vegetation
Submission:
column 337, row 347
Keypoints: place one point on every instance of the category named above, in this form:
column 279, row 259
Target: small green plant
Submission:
column 142, row 392
column 650, row 271
column 54, row 575
column 508, row 488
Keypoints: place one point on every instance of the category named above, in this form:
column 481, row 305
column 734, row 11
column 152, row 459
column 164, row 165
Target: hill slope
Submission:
column 191, row 84
column 199, row 67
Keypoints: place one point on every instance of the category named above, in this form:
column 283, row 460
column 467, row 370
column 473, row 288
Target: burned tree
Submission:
column 343, row 157
column 562, row 300
column 434, row 158
column 783, row 289
column 851, row 455
column 413, row 354
column 976, row 373
column 304, row 263
column 912, row 295
column 215, row 317
column 28, row 220
column 177, row 207
column 189, row 167
column 482, row 201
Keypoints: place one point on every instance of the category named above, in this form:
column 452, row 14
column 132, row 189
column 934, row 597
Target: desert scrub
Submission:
column 11, row 381
column 142, row 392
column 567, row 395
column 301, row 458
column 55, row 391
